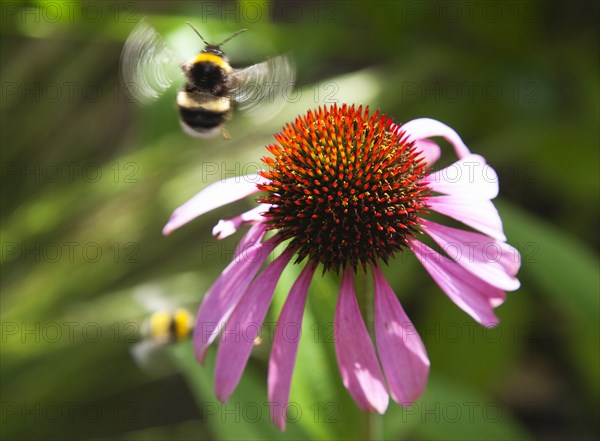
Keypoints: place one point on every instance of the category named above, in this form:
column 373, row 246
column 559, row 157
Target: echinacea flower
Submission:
column 345, row 189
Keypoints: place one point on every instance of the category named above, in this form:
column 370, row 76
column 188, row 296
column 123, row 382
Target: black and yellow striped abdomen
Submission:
column 203, row 114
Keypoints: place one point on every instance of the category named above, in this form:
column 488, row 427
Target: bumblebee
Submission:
column 211, row 84
column 168, row 326
column 165, row 325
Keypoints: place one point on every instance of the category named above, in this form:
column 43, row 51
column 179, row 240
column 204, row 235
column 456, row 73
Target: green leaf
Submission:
column 559, row 264
column 452, row 411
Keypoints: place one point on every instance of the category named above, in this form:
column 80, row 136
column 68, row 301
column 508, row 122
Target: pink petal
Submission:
column 427, row 128
column 254, row 235
column 468, row 292
column 355, row 353
column 475, row 212
column 486, row 258
column 226, row 228
column 285, row 346
column 226, row 292
column 470, row 176
column 401, row 350
column 244, row 325
column 430, row 151
column 215, row 195
column 510, row 259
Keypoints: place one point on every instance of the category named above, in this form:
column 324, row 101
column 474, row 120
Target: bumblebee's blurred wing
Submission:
column 148, row 65
column 152, row 298
column 262, row 83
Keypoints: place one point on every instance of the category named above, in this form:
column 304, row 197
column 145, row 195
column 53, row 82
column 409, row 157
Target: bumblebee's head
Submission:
column 212, row 49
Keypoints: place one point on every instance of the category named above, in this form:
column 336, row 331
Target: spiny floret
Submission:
column 344, row 186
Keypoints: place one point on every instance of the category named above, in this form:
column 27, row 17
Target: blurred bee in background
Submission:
column 165, row 325
column 168, row 326
column 211, row 85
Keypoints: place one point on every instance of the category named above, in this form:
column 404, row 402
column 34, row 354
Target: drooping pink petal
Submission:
column 427, row 128
column 430, row 151
column 223, row 296
column 403, row 356
column 468, row 292
column 469, row 176
column 215, row 195
column 243, row 327
column 510, row 259
column 477, row 213
column 285, row 347
column 254, row 235
column 486, row 258
column 355, row 353
column 226, row 227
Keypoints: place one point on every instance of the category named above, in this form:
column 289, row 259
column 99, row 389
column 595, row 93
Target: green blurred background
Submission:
column 89, row 179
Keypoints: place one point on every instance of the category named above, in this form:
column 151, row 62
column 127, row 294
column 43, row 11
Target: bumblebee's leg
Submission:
column 226, row 134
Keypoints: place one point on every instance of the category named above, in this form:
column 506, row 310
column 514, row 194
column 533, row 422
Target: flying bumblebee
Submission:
column 211, row 84
column 168, row 326
column 165, row 325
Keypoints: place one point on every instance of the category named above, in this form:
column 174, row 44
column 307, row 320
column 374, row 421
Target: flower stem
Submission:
column 372, row 421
